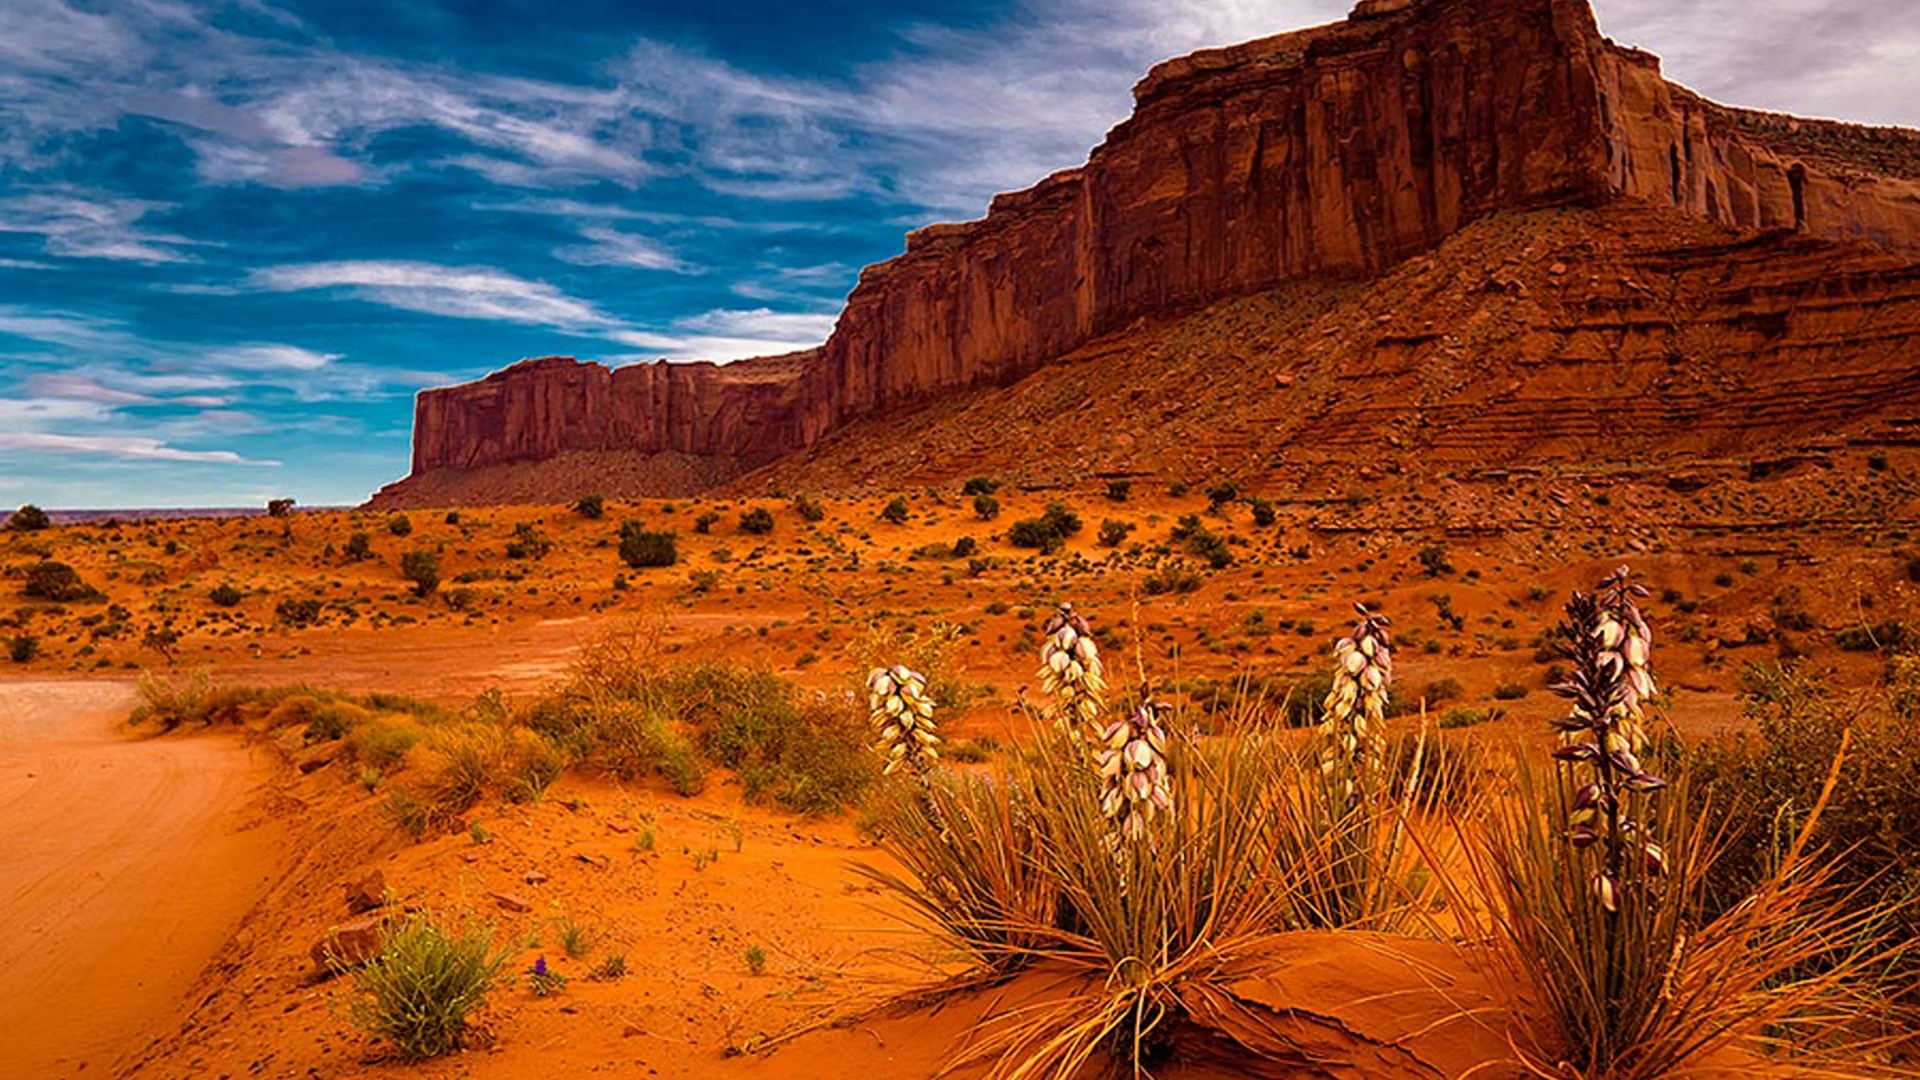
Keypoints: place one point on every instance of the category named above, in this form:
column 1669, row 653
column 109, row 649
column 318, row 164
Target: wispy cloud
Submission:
column 611, row 247
column 89, row 225
column 129, row 447
column 455, row 292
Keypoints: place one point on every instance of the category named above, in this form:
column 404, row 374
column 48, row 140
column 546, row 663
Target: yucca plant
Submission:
column 424, row 984
column 1595, row 895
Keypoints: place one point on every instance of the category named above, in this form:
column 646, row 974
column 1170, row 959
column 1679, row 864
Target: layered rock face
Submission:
column 1331, row 153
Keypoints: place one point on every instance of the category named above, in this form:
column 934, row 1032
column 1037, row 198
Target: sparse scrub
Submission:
column 225, row 595
column 22, row 648
column 757, row 521
column 986, row 507
column 591, row 507
column 1119, row 490
column 895, row 512
column 528, row 542
column 400, row 525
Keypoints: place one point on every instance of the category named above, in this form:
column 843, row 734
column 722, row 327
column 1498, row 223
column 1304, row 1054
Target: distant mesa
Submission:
column 1325, row 156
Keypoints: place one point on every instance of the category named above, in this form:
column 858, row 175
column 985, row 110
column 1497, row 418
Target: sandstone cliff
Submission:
column 1327, row 154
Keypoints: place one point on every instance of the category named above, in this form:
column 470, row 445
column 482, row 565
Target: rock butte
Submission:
column 1330, row 154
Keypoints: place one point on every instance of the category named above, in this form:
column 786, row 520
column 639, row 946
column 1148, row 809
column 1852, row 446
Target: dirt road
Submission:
column 124, row 865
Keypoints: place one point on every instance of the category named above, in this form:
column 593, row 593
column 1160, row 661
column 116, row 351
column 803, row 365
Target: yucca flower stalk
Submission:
column 1355, row 710
column 1071, row 672
column 902, row 713
column 1603, row 734
column 1132, row 759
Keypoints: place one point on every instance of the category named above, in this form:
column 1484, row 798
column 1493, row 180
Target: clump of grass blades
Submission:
column 1598, row 881
column 420, row 990
column 1659, row 985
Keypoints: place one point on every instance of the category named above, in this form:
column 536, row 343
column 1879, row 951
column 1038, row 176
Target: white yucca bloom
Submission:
column 1355, row 710
column 903, row 715
column 1133, row 770
column 1070, row 670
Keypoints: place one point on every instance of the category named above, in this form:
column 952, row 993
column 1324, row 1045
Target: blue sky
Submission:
column 235, row 238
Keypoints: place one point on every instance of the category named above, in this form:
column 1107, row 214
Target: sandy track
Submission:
column 124, row 865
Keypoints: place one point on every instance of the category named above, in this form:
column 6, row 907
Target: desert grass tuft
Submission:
column 424, row 984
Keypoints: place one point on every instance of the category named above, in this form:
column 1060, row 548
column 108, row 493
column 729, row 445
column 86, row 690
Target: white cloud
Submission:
column 723, row 336
column 611, row 247
column 82, row 388
column 456, row 292
column 39, row 412
column 88, row 225
column 268, row 358
column 130, row 447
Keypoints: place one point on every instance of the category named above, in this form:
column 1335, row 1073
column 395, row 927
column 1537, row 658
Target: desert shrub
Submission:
column 1764, row 783
column 1047, row 532
column 1509, row 692
column 964, row 547
column 279, row 508
column 1891, row 636
column 1263, row 513
column 225, row 595
column 1462, row 716
column 29, row 518
column 809, row 509
column 986, row 507
column 1119, row 490
column 452, row 518
column 896, row 511
column 1789, row 610
column 757, row 521
column 809, row 758
column 57, row 582
column 400, row 525
column 1200, row 542
column 382, row 741
column 419, row 990
column 1172, row 577
column 980, row 485
column 332, row 719
column 932, row 651
column 1441, row 690
column 1113, row 532
column 591, row 507
column 704, row 523
column 1435, row 560
column 22, row 648
column 298, row 612
column 464, row 761
column 528, row 542
column 170, row 703
column 1221, row 494
column 422, row 569
column 358, row 548
column 640, row 548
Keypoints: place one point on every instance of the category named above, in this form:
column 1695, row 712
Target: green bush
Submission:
column 1119, row 490
column 400, row 525
column 705, row 522
column 298, row 612
column 1509, row 692
column 279, row 508
column 964, row 547
column 1264, row 513
column 528, row 542
column 986, row 507
column 22, row 648
column 57, row 582
column 640, row 548
column 30, row 518
column 422, row 568
column 591, row 507
column 1434, row 561
column 757, row 521
column 225, row 595
column 359, row 547
column 895, row 512
column 808, row 509
column 1113, row 532
column 980, row 485
column 418, row 991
